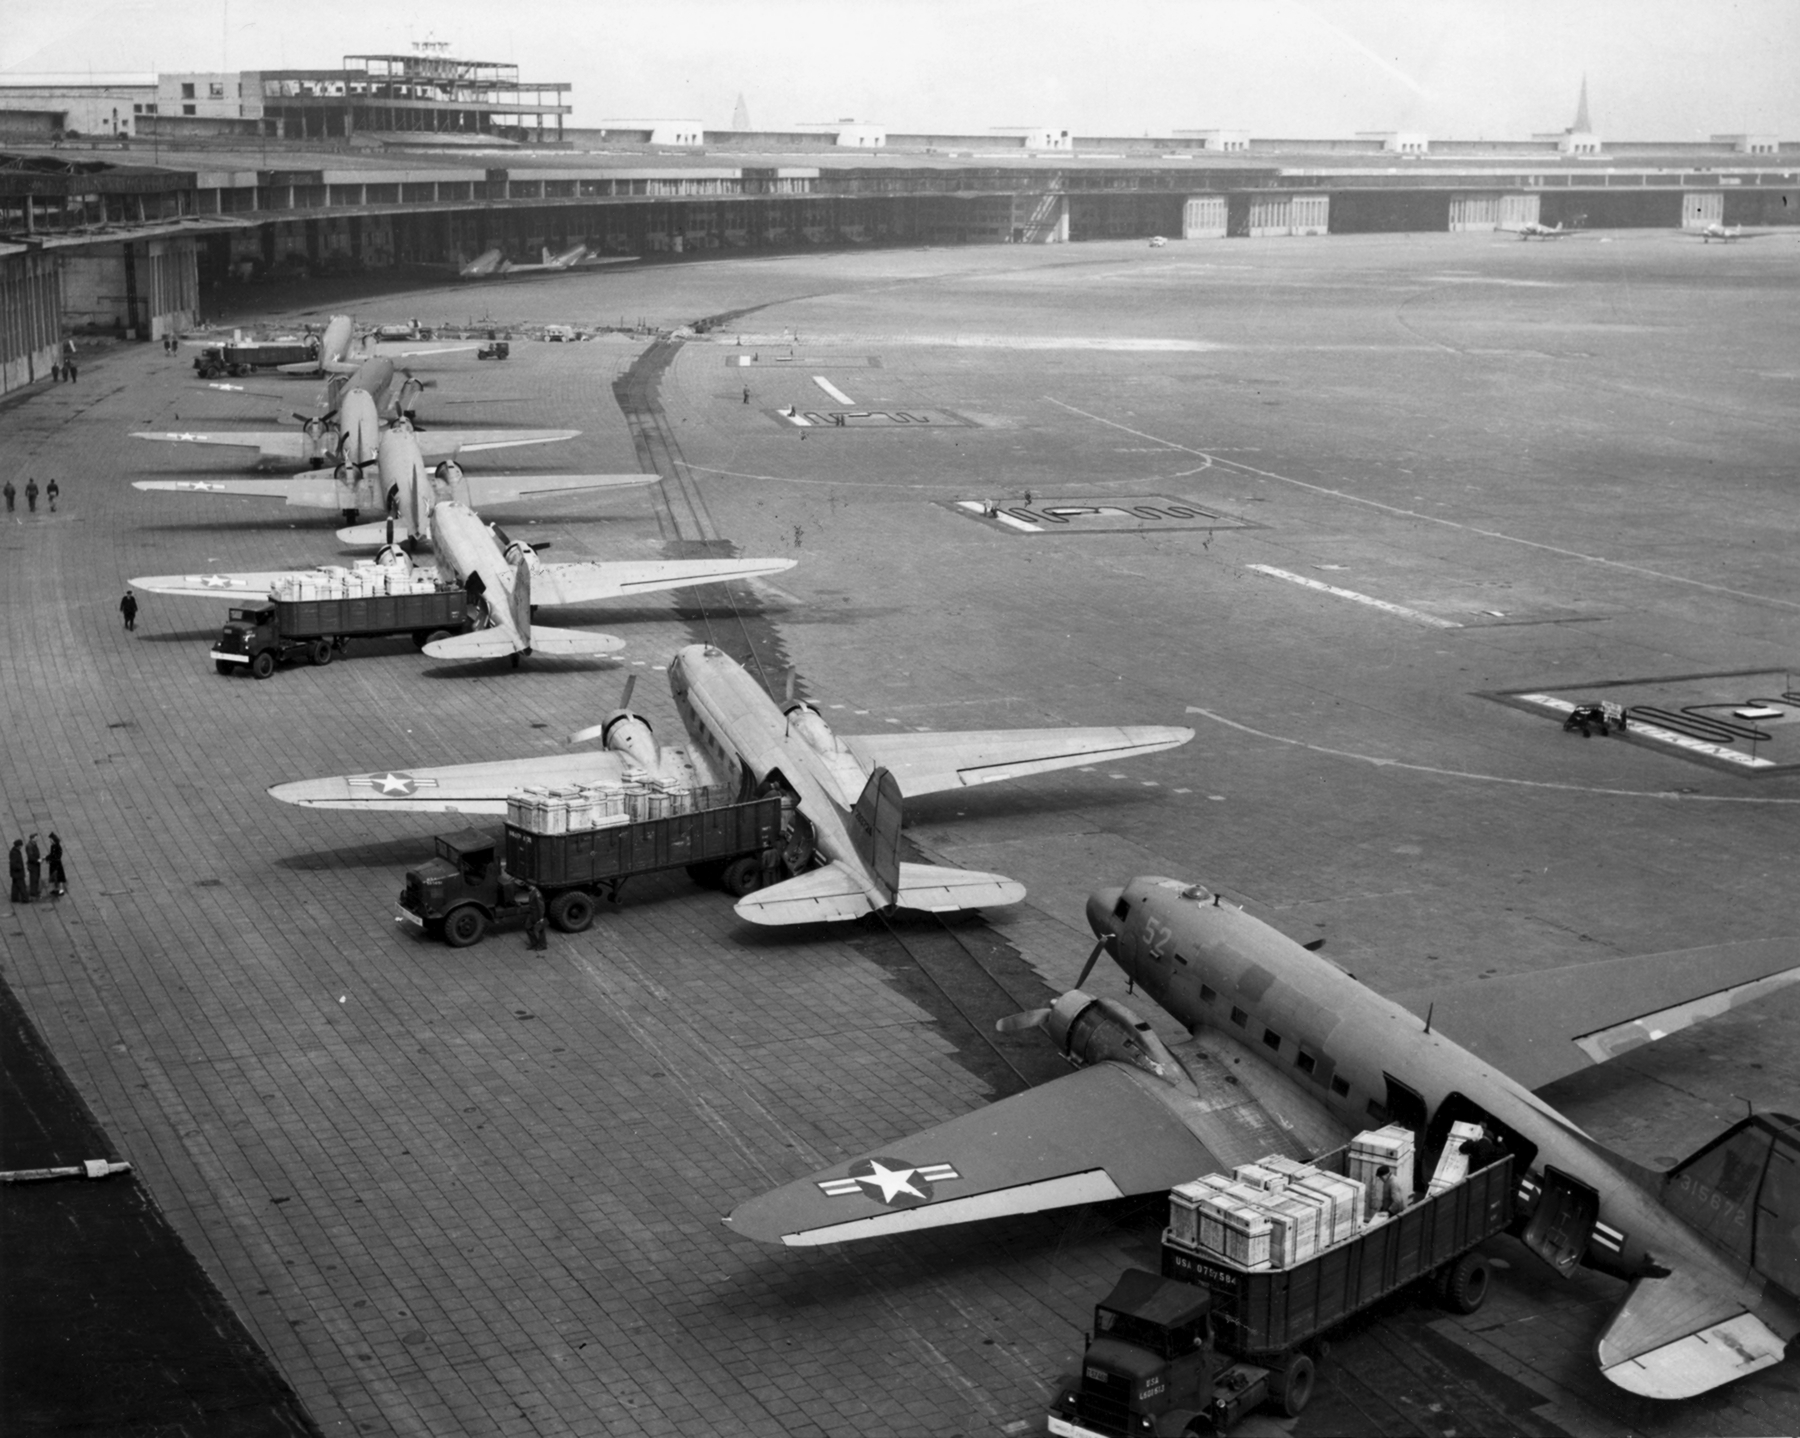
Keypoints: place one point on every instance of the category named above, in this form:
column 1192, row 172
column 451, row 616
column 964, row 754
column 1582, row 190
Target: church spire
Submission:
column 1583, row 126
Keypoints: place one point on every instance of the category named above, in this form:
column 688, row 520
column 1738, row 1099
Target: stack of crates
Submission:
column 569, row 809
column 1273, row 1213
column 1453, row 1163
column 1390, row 1147
column 368, row 580
column 1217, row 1215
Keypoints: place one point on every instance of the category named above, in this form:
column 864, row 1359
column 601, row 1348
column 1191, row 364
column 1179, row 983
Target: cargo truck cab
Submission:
column 457, row 892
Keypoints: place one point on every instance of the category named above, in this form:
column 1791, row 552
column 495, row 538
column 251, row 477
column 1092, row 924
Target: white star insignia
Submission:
column 894, row 1182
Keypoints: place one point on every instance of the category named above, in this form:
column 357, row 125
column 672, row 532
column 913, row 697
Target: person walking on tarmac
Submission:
column 534, row 918
column 128, row 607
column 59, row 878
column 34, row 867
column 11, row 494
column 51, row 490
column 31, row 494
column 15, row 869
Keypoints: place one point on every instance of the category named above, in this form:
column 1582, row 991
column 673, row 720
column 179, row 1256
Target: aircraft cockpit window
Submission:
column 1122, row 909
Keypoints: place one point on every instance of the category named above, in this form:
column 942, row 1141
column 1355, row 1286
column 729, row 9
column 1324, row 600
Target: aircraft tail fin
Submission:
column 1741, row 1192
column 875, row 830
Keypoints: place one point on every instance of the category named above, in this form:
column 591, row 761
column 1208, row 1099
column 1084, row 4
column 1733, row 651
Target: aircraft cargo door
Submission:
column 1562, row 1222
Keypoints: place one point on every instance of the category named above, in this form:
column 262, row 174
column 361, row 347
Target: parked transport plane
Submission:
column 1291, row 1054
column 845, row 792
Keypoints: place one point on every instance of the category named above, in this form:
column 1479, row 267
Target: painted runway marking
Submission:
column 1430, row 518
column 832, row 389
column 1380, row 763
column 1662, row 736
column 1382, row 604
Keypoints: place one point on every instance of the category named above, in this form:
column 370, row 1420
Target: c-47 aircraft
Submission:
column 1290, row 1054
column 490, row 263
column 1534, row 230
column 340, row 351
column 508, row 581
column 845, row 791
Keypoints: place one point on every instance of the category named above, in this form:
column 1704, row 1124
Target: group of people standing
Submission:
column 25, row 865
column 50, row 492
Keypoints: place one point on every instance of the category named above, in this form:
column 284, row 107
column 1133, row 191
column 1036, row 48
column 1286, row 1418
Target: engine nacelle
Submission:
column 392, row 556
column 1091, row 1031
column 630, row 734
column 518, row 549
column 809, row 724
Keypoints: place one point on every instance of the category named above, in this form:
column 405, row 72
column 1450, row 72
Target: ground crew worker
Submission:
column 534, row 918
column 59, row 878
column 1389, row 1197
column 15, row 868
column 1484, row 1150
column 128, row 607
column 746, row 394
column 34, row 866
column 31, row 494
column 11, row 495
column 51, row 490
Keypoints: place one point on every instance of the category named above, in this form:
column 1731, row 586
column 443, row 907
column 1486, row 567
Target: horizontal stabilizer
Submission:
column 816, row 897
column 493, row 643
column 941, row 890
column 1100, row 1133
column 1675, row 1337
column 928, row 763
column 587, row 582
column 1548, row 1023
column 373, row 536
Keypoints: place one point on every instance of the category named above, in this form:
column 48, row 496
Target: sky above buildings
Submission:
column 1464, row 69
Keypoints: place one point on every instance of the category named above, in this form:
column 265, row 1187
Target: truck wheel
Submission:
column 223, row 666
column 421, row 637
column 463, row 926
column 572, row 911
column 1294, row 1385
column 435, row 636
column 1466, row 1285
column 263, row 664
column 320, row 653
column 742, row 876
column 708, row 874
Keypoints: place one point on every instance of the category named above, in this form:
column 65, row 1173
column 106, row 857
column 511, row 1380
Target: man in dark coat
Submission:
column 31, row 494
column 15, row 868
column 59, row 878
column 11, row 494
column 51, row 490
column 534, row 918
column 128, row 607
column 34, row 866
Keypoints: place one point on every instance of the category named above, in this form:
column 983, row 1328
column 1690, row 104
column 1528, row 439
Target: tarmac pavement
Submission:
column 478, row 1190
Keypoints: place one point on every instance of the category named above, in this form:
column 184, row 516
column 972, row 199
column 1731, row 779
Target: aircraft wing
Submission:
column 1541, row 1026
column 486, row 489
column 451, row 789
column 436, row 444
column 1100, row 1133
column 1676, row 1337
column 610, row 579
column 214, row 586
column 406, row 349
column 927, row 763
column 271, row 444
column 306, row 491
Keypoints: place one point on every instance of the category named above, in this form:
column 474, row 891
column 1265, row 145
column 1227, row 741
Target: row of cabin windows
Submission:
column 1307, row 1063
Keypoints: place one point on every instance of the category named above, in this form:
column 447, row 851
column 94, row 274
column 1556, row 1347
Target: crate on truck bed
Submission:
column 1226, row 1326
column 316, row 622
column 478, row 878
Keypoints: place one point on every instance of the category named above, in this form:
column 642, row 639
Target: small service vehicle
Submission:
column 243, row 359
column 1195, row 1348
column 257, row 638
column 494, row 350
column 477, row 879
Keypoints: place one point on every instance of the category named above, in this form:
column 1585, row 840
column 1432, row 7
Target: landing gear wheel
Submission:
column 263, row 665
column 224, row 666
column 320, row 653
column 464, row 926
column 1294, row 1385
column 707, row 875
column 1466, row 1283
column 572, row 911
column 742, row 876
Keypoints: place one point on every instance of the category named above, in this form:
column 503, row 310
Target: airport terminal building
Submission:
column 428, row 161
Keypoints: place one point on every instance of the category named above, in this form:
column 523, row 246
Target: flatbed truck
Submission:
column 477, row 880
column 1193, row 1349
column 257, row 638
column 243, row 359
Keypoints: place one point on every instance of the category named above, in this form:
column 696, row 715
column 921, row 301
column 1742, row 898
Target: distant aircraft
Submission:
column 1725, row 234
column 494, row 262
column 845, row 792
column 1533, row 230
column 508, row 581
column 401, row 482
column 341, row 351
column 1290, row 1054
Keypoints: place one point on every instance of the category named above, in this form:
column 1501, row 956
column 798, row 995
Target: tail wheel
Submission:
column 464, row 926
column 1294, row 1386
column 320, row 653
column 572, row 911
column 742, row 876
column 1466, row 1284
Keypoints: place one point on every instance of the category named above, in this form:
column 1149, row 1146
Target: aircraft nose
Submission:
column 1100, row 906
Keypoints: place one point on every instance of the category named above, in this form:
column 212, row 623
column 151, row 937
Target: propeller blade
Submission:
column 630, row 684
column 792, row 678
column 1019, row 1023
column 1092, row 959
column 593, row 731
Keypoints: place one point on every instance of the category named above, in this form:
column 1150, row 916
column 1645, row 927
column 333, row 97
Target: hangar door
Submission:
column 1203, row 217
column 1517, row 210
column 1699, row 211
column 1475, row 212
